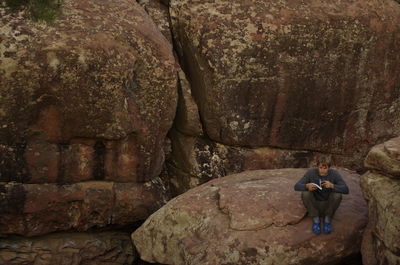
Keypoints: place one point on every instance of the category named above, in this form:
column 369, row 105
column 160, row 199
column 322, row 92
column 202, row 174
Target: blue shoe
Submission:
column 316, row 228
column 327, row 227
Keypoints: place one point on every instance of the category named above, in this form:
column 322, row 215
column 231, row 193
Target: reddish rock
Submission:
column 196, row 160
column 43, row 161
column 38, row 209
column 320, row 76
column 106, row 248
column 121, row 160
column 254, row 217
column 158, row 10
column 102, row 72
column 49, row 122
column 79, row 156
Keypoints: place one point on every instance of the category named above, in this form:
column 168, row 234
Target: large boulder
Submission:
column 89, row 96
column 315, row 75
column 254, row 217
column 39, row 209
column 105, row 248
column 381, row 187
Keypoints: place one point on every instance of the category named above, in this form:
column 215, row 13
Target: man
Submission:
column 322, row 190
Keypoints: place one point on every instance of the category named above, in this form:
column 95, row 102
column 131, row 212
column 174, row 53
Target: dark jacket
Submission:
column 312, row 176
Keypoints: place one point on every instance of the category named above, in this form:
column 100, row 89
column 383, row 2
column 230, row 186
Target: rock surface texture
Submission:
column 90, row 96
column 158, row 10
column 85, row 106
column 381, row 187
column 38, row 209
column 107, row 248
column 307, row 76
column 254, row 217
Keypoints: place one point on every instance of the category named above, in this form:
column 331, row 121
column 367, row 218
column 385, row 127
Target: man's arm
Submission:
column 301, row 184
column 339, row 185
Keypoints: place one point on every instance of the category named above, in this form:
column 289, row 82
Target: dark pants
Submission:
column 321, row 208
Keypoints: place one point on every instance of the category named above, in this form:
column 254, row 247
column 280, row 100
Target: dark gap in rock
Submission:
column 12, row 163
column 61, row 170
column 142, row 262
column 302, row 159
column 99, row 154
column 128, row 228
column 354, row 259
column 178, row 105
column 13, row 200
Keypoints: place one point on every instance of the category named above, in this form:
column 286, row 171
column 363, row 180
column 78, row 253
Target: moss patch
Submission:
column 39, row 10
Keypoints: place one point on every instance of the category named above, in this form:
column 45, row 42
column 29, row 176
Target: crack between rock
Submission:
column 113, row 203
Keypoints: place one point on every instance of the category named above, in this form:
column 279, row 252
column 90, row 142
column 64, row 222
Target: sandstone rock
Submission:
column 193, row 161
column 101, row 72
column 381, row 186
column 381, row 239
column 38, row 209
column 304, row 75
column 158, row 10
column 385, row 158
column 250, row 218
column 80, row 155
column 106, row 248
column 187, row 118
column 196, row 160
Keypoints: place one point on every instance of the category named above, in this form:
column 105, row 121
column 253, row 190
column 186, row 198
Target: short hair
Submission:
column 323, row 160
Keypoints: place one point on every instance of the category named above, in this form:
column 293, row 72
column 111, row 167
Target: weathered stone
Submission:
column 158, row 10
column 121, row 160
column 79, row 155
column 381, row 186
column 196, row 160
column 193, row 161
column 187, row 118
column 102, row 71
column 254, row 217
column 12, row 159
column 38, row 209
column 385, row 158
column 305, row 75
column 106, row 248
column 381, row 240
column 43, row 160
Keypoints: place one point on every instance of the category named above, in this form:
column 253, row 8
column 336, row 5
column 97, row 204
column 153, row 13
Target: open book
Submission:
column 316, row 185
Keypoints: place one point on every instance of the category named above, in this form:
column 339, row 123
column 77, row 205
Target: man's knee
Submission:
column 306, row 194
column 335, row 196
column 308, row 197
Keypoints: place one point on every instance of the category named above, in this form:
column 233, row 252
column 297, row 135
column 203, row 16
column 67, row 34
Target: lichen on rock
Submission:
column 102, row 71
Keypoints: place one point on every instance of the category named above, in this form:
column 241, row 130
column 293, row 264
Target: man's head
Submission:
column 323, row 165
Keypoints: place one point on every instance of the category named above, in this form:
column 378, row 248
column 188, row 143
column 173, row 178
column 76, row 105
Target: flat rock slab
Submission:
column 254, row 217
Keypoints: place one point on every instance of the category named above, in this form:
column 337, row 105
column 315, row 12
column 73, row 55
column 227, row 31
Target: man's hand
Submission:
column 311, row 187
column 327, row 184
